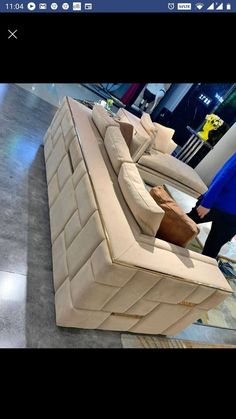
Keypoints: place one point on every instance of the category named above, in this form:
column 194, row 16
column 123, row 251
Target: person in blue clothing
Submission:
column 218, row 205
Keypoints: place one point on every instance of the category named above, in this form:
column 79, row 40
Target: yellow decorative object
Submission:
column 213, row 122
column 109, row 104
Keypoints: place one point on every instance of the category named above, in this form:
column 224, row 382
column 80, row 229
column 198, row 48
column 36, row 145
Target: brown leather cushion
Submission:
column 176, row 227
column 126, row 131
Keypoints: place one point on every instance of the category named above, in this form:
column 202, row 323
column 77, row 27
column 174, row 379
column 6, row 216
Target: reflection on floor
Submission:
column 54, row 93
column 159, row 342
column 225, row 314
column 27, row 315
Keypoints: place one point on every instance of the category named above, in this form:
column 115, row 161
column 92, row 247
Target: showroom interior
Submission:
column 80, row 266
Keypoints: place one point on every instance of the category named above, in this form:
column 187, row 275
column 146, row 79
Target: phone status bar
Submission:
column 117, row 6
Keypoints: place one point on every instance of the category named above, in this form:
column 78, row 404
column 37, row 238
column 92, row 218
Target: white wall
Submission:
column 214, row 160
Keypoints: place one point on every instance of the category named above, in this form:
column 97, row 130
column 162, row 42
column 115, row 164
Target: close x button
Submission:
column 12, row 34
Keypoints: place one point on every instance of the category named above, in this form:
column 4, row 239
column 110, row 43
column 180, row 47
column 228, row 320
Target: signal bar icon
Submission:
column 199, row 6
column 211, row 7
column 220, row 7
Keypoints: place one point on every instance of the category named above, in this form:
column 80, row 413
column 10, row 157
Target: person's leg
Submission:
column 142, row 107
column 144, row 99
column 148, row 97
column 221, row 232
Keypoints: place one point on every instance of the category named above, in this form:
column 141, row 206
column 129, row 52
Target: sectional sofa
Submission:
column 109, row 270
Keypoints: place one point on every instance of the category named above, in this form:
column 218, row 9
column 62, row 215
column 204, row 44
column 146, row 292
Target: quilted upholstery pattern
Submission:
column 93, row 289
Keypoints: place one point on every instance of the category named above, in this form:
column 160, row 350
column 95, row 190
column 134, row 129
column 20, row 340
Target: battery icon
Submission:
column 228, row 6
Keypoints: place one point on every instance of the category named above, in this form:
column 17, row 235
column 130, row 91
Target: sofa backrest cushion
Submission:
column 146, row 212
column 116, row 148
column 139, row 145
column 127, row 131
column 147, row 123
column 132, row 119
column 171, row 147
column 151, row 129
column 141, row 141
column 102, row 120
column 162, row 138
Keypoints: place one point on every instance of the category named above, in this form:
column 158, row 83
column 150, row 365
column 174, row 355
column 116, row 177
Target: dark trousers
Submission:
column 148, row 96
column 223, row 229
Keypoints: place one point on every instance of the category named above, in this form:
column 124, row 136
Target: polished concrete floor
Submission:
column 27, row 315
column 53, row 93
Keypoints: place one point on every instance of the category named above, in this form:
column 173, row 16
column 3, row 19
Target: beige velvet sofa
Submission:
column 156, row 166
column 109, row 271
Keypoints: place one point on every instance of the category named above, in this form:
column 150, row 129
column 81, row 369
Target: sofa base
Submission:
column 107, row 274
column 68, row 316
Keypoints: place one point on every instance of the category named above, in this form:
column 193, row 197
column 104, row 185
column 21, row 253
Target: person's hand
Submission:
column 202, row 211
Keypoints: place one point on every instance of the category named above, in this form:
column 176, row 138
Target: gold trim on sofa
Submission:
column 187, row 303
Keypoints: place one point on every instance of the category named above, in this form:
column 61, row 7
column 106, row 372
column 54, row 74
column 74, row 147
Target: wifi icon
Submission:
column 199, row 6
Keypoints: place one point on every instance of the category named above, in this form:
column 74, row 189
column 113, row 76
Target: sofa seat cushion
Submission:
column 116, row 148
column 146, row 212
column 173, row 168
column 176, row 227
column 102, row 120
